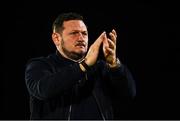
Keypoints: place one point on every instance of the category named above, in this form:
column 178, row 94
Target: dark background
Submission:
column 148, row 35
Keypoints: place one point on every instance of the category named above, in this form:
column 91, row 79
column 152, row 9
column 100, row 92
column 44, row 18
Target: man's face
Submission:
column 74, row 39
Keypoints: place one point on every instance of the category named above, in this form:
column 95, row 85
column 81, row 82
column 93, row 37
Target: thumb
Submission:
column 105, row 42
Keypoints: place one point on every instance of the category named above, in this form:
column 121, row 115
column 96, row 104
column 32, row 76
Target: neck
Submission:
column 67, row 57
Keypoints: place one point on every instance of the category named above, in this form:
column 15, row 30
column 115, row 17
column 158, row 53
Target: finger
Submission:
column 109, row 51
column 105, row 42
column 111, row 44
column 113, row 37
column 114, row 32
column 100, row 39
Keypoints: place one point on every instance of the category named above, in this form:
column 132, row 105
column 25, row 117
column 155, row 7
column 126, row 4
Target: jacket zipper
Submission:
column 69, row 114
column 103, row 117
column 70, row 107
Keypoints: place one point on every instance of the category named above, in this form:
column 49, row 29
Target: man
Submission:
column 72, row 83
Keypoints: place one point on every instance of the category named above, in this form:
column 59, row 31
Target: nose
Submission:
column 80, row 36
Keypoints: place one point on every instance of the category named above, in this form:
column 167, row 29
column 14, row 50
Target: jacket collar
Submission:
column 61, row 58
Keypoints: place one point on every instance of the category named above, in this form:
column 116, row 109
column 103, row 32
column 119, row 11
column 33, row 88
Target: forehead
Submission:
column 74, row 25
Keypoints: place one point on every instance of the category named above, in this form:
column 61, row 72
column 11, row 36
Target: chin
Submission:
column 81, row 51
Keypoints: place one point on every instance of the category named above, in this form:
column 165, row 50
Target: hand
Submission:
column 109, row 49
column 93, row 52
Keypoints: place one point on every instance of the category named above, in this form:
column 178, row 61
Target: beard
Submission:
column 72, row 55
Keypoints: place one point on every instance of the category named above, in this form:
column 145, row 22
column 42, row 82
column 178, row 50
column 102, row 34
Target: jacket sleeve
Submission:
column 123, row 81
column 42, row 83
column 119, row 81
column 123, row 91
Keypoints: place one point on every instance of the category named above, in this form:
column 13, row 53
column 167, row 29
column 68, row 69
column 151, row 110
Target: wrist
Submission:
column 115, row 64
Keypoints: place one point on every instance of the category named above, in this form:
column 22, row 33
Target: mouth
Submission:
column 81, row 45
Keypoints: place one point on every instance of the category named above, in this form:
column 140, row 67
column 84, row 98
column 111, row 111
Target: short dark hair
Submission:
column 58, row 23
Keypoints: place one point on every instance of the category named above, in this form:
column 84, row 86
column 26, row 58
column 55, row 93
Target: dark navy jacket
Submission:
column 60, row 90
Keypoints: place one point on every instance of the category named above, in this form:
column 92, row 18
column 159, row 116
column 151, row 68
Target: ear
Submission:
column 56, row 38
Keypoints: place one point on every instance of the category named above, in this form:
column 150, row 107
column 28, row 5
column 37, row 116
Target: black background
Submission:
column 148, row 35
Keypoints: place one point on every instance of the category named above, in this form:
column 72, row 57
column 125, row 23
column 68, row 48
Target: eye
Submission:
column 84, row 33
column 73, row 33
